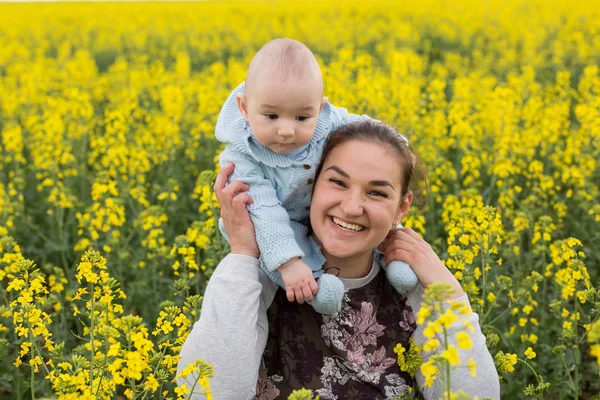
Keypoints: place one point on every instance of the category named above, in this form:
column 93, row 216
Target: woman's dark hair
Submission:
column 414, row 177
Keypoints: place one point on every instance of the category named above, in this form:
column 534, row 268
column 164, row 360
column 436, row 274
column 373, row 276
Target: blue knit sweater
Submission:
column 280, row 186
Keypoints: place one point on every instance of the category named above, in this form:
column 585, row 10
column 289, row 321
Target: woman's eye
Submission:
column 302, row 118
column 378, row 193
column 336, row 182
column 271, row 116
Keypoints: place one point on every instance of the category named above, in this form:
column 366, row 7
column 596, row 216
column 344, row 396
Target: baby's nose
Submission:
column 286, row 131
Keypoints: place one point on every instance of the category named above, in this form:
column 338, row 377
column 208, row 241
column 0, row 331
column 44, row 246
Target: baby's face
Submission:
column 283, row 114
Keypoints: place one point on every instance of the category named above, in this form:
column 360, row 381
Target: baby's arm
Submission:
column 274, row 235
column 340, row 117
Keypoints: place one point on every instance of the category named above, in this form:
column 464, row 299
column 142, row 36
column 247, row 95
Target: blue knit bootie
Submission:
column 401, row 276
column 330, row 295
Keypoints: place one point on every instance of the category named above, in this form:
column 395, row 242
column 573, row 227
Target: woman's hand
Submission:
column 406, row 245
column 233, row 199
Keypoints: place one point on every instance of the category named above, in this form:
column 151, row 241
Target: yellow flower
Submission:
column 423, row 313
column 431, row 345
column 451, row 355
column 472, row 367
column 429, row 371
column 506, row 361
column 529, row 353
column 447, row 318
column 151, row 383
column 464, row 340
column 431, row 329
column 533, row 338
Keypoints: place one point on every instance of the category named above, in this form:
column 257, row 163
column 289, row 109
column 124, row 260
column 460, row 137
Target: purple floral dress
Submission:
column 348, row 355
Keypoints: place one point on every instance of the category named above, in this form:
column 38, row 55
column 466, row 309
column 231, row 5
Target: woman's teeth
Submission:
column 347, row 226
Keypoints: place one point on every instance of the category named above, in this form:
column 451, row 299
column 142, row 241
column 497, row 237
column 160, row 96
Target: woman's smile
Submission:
column 346, row 227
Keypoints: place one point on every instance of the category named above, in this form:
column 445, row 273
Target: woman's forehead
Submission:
column 365, row 160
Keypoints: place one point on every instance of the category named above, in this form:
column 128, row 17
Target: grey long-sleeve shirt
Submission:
column 232, row 331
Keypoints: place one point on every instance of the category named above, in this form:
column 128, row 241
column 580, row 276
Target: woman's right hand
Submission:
column 406, row 245
column 233, row 199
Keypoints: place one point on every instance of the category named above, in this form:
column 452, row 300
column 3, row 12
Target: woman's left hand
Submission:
column 233, row 199
column 406, row 245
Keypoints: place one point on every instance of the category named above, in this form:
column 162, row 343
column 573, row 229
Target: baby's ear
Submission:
column 324, row 101
column 242, row 105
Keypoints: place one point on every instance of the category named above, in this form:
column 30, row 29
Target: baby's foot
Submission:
column 329, row 296
column 401, row 276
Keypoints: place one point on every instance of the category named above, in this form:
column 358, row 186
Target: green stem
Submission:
column 40, row 354
column 568, row 373
column 31, row 367
column 193, row 387
column 162, row 355
column 60, row 216
column 105, row 359
column 448, row 383
column 38, row 232
column 483, row 286
column 537, row 377
column 92, row 340
column 508, row 309
column 131, row 381
column 577, row 355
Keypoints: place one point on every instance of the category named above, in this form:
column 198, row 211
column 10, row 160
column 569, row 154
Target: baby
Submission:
column 275, row 125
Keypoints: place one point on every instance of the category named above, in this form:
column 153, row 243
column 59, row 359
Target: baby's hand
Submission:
column 298, row 280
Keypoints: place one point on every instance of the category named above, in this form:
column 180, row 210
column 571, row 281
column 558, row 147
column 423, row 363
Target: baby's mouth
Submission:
column 347, row 226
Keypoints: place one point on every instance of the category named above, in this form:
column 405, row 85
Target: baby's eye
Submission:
column 302, row 118
column 271, row 116
column 378, row 193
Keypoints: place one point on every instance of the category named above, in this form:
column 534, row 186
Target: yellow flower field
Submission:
column 107, row 157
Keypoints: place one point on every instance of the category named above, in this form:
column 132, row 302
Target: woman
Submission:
column 361, row 189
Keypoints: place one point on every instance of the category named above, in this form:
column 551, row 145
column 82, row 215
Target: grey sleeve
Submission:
column 231, row 333
column 485, row 384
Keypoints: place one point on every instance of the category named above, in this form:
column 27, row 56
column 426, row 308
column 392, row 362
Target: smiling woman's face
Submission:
column 356, row 199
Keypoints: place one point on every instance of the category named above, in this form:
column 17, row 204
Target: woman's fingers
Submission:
column 395, row 238
column 222, row 176
column 235, row 188
column 242, row 200
column 239, row 212
column 405, row 253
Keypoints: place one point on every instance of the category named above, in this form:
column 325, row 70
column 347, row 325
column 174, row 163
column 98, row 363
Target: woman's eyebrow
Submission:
column 338, row 170
column 383, row 183
column 374, row 183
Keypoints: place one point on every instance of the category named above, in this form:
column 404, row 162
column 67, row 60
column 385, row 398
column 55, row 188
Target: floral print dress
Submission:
column 348, row 355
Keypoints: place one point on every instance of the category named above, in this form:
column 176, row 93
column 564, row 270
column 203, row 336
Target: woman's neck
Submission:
column 349, row 268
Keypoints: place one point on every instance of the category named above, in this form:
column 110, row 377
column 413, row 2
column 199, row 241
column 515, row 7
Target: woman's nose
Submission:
column 352, row 203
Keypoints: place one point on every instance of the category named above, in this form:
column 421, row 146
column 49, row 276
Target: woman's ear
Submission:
column 242, row 105
column 404, row 207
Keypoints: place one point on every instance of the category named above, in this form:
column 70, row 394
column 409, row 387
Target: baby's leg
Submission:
column 401, row 276
column 328, row 299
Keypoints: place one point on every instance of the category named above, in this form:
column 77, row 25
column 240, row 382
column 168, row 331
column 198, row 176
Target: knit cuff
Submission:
column 279, row 254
